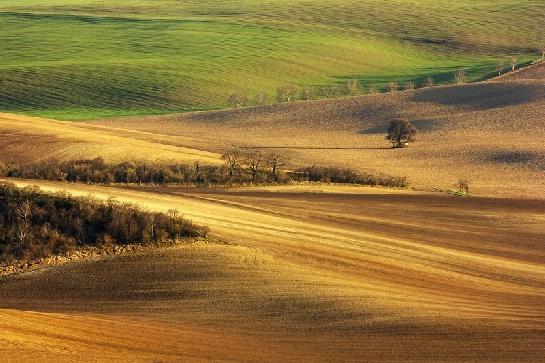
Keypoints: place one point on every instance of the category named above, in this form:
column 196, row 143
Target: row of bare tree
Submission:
column 351, row 87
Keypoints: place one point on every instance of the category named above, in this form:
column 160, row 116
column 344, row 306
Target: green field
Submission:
column 84, row 59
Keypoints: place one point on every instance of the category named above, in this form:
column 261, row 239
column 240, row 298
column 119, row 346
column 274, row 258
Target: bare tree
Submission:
column 352, row 87
column 393, row 87
column 286, row 94
column 410, row 86
column 237, row 100
column 429, row 82
column 306, row 94
column 460, row 77
column 23, row 223
column 514, row 60
column 400, row 132
column 500, row 67
column 253, row 161
column 274, row 162
column 463, row 185
column 261, row 98
column 372, row 89
column 233, row 160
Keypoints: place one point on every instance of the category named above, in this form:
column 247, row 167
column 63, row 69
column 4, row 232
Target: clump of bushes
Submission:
column 34, row 224
column 347, row 176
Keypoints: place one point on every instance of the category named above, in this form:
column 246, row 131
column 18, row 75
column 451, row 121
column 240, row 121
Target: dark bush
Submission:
column 346, row 176
column 34, row 224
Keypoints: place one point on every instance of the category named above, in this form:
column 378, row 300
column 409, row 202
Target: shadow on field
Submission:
column 515, row 158
column 482, row 96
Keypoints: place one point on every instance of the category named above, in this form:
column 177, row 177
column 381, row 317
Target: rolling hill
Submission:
column 328, row 274
column 85, row 59
column 489, row 132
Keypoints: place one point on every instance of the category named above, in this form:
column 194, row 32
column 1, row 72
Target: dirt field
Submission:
column 27, row 139
column 344, row 275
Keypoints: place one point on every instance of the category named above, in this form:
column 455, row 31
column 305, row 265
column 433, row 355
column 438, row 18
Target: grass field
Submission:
column 88, row 59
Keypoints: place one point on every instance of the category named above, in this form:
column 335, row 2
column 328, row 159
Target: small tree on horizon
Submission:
column 514, row 61
column 460, row 77
column 286, row 94
column 306, row 94
column 401, row 132
column 237, row 99
column 261, row 98
column 410, row 86
column 393, row 87
column 500, row 68
column 372, row 89
column 429, row 82
column 463, row 185
column 352, row 87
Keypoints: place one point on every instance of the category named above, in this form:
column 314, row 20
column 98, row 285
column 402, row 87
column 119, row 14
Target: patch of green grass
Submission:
column 84, row 59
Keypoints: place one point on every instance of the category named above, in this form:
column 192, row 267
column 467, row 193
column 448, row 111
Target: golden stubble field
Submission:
column 335, row 275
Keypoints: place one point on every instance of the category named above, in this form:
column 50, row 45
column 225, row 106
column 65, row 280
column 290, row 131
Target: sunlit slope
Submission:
column 87, row 59
column 375, row 276
column 26, row 139
column 490, row 133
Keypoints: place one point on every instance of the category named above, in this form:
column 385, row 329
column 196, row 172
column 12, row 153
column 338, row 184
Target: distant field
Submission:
column 85, row 59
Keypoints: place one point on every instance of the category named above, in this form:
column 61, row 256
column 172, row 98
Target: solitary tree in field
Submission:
column 253, row 161
column 233, row 160
column 400, row 133
column 514, row 61
column 237, row 100
column 286, row 94
column 463, row 185
column 261, row 98
column 352, row 87
column 275, row 161
column 460, row 77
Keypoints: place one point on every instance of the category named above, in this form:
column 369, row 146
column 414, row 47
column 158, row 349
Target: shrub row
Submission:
column 347, row 176
column 34, row 224
column 254, row 169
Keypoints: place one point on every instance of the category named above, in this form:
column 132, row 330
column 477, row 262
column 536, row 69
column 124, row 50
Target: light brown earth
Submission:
column 349, row 275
